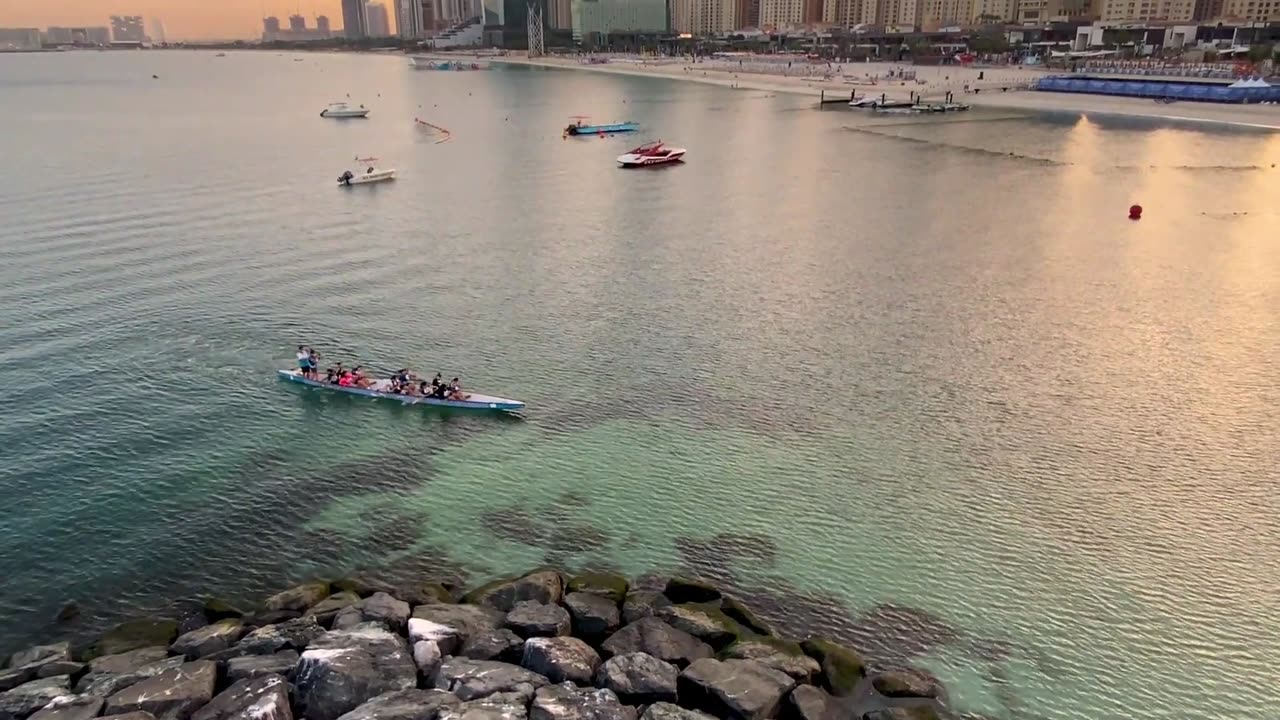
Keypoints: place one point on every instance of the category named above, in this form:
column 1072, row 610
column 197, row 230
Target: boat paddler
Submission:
column 304, row 361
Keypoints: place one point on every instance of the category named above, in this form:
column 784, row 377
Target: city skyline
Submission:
column 183, row 19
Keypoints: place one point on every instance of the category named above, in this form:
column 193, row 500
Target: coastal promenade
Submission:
column 998, row 87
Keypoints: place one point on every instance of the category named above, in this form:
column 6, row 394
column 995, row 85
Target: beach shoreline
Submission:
column 933, row 83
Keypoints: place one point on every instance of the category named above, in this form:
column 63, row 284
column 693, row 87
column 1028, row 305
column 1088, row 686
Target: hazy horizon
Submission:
column 183, row 19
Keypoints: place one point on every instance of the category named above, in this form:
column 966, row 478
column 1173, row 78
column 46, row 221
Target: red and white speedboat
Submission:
column 654, row 153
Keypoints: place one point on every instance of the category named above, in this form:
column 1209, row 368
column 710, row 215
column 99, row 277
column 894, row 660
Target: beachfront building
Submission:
column 747, row 14
column 560, row 14
column 1137, row 11
column 355, row 22
column 379, row 21
column 937, row 14
column 596, row 18
column 409, row 19
column 128, row 29
column 704, row 17
column 1038, row 12
column 19, row 39
column 994, row 11
column 76, row 36
column 1251, row 10
column 781, row 13
column 893, row 15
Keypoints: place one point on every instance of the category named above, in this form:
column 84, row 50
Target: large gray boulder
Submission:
column 807, row 702
column 208, row 639
column 133, row 635
column 412, row 704
column 172, row 695
column 742, row 689
column 668, row 711
column 40, row 661
column 688, row 590
column 495, row 707
column 252, row 666
column 908, row 684
column 534, row 619
column 106, row 684
column 295, row 634
column 655, row 637
column 299, row 598
column 639, row 678
column 642, row 604
column 134, row 716
column 386, row 610
column 41, row 654
column 477, row 679
column 544, row 586
column 707, row 622
column 262, row 698
column 842, row 669
column 22, row 701
column 71, row 707
column 594, row 616
column 500, row 644
column 777, row 654
column 567, row 702
column 561, row 659
column 444, row 636
column 905, row 712
column 343, row 669
column 325, row 610
column 128, row 662
column 465, row 620
column 347, row 618
column 607, row 585
column 427, row 658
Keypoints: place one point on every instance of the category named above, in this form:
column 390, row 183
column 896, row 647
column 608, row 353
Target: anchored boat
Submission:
column 649, row 154
column 579, row 126
column 342, row 110
column 382, row 389
column 370, row 175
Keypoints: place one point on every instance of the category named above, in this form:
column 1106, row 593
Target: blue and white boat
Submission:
column 580, row 127
column 382, row 389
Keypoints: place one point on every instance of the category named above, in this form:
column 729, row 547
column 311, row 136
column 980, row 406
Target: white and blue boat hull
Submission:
column 380, row 389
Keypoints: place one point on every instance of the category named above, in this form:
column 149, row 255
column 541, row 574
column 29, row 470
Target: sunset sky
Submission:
column 183, row 19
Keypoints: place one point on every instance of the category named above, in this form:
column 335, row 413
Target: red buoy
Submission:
column 1135, row 212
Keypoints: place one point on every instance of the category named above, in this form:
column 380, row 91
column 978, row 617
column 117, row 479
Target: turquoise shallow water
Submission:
column 920, row 386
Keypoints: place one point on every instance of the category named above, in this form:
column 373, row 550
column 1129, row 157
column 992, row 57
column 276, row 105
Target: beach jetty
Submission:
column 542, row 646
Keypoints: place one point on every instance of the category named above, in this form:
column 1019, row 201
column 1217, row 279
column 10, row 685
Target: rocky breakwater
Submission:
column 537, row 647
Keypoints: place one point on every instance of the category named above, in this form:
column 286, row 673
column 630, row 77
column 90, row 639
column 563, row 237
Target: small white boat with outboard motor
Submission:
column 341, row 110
column 370, row 175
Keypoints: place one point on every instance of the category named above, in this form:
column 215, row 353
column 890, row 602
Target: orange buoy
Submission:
column 1135, row 212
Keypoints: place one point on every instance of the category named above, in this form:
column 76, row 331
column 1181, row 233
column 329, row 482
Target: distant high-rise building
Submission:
column 20, row 39
column 297, row 23
column 1043, row 11
column 322, row 24
column 747, row 14
column 270, row 26
column 600, row 17
column 128, row 29
column 994, row 11
column 355, row 22
column 409, row 23
column 1251, row 10
column 379, row 22
column 936, row 14
column 157, row 31
column 1152, row 11
column 559, row 14
column 704, row 17
column 76, row 36
column 781, row 13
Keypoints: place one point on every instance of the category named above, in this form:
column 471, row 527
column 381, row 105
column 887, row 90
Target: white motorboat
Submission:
column 650, row 154
column 343, row 110
column 879, row 103
column 370, row 175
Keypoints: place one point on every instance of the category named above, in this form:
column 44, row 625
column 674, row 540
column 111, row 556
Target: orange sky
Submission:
column 183, row 19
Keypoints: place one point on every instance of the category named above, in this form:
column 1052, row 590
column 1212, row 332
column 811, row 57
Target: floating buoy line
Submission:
column 446, row 135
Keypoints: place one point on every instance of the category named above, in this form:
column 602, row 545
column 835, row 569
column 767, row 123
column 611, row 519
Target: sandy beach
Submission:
column 997, row 87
